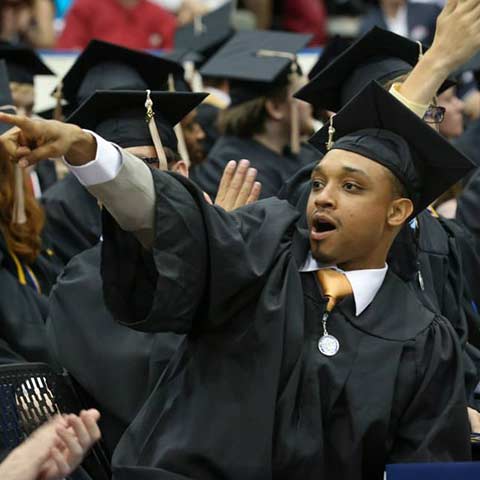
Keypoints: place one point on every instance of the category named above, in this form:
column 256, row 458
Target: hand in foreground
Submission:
column 238, row 186
column 34, row 140
column 55, row 450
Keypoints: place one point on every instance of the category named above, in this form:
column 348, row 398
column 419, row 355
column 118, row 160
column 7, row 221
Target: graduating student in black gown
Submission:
column 195, row 43
column 431, row 253
column 249, row 393
column 115, row 366
column 262, row 121
column 27, row 267
column 73, row 215
column 131, row 361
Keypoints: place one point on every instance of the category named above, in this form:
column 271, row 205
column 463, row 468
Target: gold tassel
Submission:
column 182, row 146
column 152, row 127
column 198, row 26
column 19, row 215
column 331, row 133
column 58, row 111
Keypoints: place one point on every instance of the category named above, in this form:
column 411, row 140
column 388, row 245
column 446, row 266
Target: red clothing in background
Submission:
column 145, row 26
column 306, row 16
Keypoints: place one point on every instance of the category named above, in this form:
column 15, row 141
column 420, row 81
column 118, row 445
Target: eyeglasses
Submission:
column 434, row 114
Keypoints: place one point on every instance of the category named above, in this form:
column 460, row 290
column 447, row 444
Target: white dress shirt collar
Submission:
column 365, row 283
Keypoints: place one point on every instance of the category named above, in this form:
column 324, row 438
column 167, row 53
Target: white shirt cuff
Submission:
column 103, row 168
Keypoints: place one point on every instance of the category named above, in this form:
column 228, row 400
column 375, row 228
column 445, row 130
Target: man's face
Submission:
column 347, row 211
column 194, row 136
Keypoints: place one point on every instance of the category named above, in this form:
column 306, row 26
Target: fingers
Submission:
column 80, row 430
column 24, row 123
column 246, row 189
column 225, row 181
column 90, row 419
column 50, row 150
column 235, row 185
column 449, row 6
column 255, row 193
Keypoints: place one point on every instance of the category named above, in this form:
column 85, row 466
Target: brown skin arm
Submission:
column 34, row 140
column 457, row 39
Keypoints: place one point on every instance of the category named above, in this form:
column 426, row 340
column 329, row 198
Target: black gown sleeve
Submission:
column 435, row 409
column 205, row 264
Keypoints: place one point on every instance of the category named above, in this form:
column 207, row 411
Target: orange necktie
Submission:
column 335, row 286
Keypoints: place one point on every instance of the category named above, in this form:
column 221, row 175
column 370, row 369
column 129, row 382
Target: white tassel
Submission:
column 19, row 215
column 152, row 127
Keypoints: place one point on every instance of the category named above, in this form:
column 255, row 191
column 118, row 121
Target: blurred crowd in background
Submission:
column 151, row 24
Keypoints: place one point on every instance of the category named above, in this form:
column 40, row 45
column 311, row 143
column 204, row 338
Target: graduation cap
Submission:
column 106, row 66
column 132, row 118
column 377, row 126
column 378, row 55
column 206, row 33
column 255, row 62
column 22, row 63
column 331, row 51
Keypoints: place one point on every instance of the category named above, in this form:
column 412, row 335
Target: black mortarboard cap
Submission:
column 378, row 55
column 255, row 61
column 378, row 126
column 106, row 66
column 6, row 101
column 207, row 33
column 119, row 116
column 330, row 52
column 22, row 63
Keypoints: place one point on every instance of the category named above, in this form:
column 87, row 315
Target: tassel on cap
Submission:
column 294, row 114
column 58, row 111
column 19, row 215
column 182, row 146
column 331, row 133
column 152, row 127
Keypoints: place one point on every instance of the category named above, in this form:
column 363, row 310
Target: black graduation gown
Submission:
column 116, row 366
column 431, row 259
column 47, row 174
column 22, row 316
column 207, row 116
column 248, row 395
column 468, row 206
column 73, row 218
column 273, row 169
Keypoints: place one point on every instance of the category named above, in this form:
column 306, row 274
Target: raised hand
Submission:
column 238, row 186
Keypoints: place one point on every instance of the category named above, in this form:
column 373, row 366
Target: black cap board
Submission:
column 335, row 46
column 255, row 61
column 22, row 63
column 6, row 101
column 119, row 116
column 378, row 55
column 207, row 33
column 377, row 126
column 182, row 55
column 106, row 66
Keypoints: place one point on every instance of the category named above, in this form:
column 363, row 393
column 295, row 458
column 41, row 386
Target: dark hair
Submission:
column 398, row 187
column 248, row 118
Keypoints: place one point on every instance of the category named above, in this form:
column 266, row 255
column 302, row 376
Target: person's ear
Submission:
column 180, row 167
column 399, row 212
column 275, row 109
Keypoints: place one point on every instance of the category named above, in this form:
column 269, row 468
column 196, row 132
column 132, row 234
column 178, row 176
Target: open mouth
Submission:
column 321, row 227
